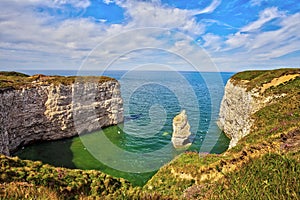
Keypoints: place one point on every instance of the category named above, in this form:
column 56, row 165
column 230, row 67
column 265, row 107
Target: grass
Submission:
column 12, row 73
column 273, row 176
column 264, row 165
column 16, row 80
column 67, row 183
column 168, row 182
column 257, row 78
column 23, row 190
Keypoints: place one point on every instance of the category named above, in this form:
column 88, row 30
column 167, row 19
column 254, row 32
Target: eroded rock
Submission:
column 56, row 111
column 181, row 131
column 237, row 107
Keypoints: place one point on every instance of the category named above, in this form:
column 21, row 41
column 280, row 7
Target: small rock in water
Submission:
column 181, row 131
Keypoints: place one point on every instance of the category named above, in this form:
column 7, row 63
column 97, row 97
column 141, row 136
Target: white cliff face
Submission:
column 237, row 107
column 181, row 131
column 56, row 111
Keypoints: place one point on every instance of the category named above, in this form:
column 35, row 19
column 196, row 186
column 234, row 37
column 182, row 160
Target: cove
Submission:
column 71, row 153
column 151, row 100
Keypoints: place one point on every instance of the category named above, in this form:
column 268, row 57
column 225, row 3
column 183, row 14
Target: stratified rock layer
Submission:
column 56, row 111
column 181, row 131
column 237, row 107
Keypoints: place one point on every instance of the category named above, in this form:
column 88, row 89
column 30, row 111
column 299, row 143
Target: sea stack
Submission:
column 181, row 131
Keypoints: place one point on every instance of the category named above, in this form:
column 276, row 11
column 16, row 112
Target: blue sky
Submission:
column 217, row 35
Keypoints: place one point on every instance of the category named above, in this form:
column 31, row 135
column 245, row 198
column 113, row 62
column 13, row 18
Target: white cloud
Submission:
column 273, row 44
column 212, row 42
column 265, row 16
column 70, row 40
column 256, row 47
column 75, row 3
column 149, row 14
column 28, row 36
column 256, row 2
column 49, row 3
column 108, row 1
column 244, row 37
column 33, row 39
column 208, row 9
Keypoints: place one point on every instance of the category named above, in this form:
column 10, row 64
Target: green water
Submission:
column 72, row 153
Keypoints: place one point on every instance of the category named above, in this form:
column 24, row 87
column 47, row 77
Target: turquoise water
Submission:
column 137, row 148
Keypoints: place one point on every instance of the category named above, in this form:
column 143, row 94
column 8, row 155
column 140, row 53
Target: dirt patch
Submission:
column 195, row 192
column 291, row 140
column 277, row 81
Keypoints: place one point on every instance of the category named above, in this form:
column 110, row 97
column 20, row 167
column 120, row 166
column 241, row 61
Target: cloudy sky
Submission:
column 67, row 34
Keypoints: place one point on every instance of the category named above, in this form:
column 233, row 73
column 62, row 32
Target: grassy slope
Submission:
column 264, row 164
column 61, row 182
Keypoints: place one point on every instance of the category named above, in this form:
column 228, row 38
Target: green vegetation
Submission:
column 264, row 165
column 23, row 190
column 248, row 75
column 259, row 77
column 272, row 176
column 16, row 80
column 67, row 183
column 12, row 73
column 25, row 179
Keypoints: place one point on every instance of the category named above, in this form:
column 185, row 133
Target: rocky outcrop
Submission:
column 237, row 107
column 181, row 131
column 55, row 111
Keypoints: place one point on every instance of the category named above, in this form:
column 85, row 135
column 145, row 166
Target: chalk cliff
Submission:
column 50, row 110
column 242, row 99
column 236, row 109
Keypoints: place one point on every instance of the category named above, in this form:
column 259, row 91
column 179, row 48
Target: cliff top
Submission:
column 265, row 79
column 16, row 80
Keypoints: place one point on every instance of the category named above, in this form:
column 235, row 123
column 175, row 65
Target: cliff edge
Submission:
column 248, row 92
column 39, row 107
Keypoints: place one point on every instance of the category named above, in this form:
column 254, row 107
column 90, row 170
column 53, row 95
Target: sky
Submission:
column 206, row 35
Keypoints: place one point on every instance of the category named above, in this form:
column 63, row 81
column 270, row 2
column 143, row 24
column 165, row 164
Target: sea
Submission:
column 137, row 148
